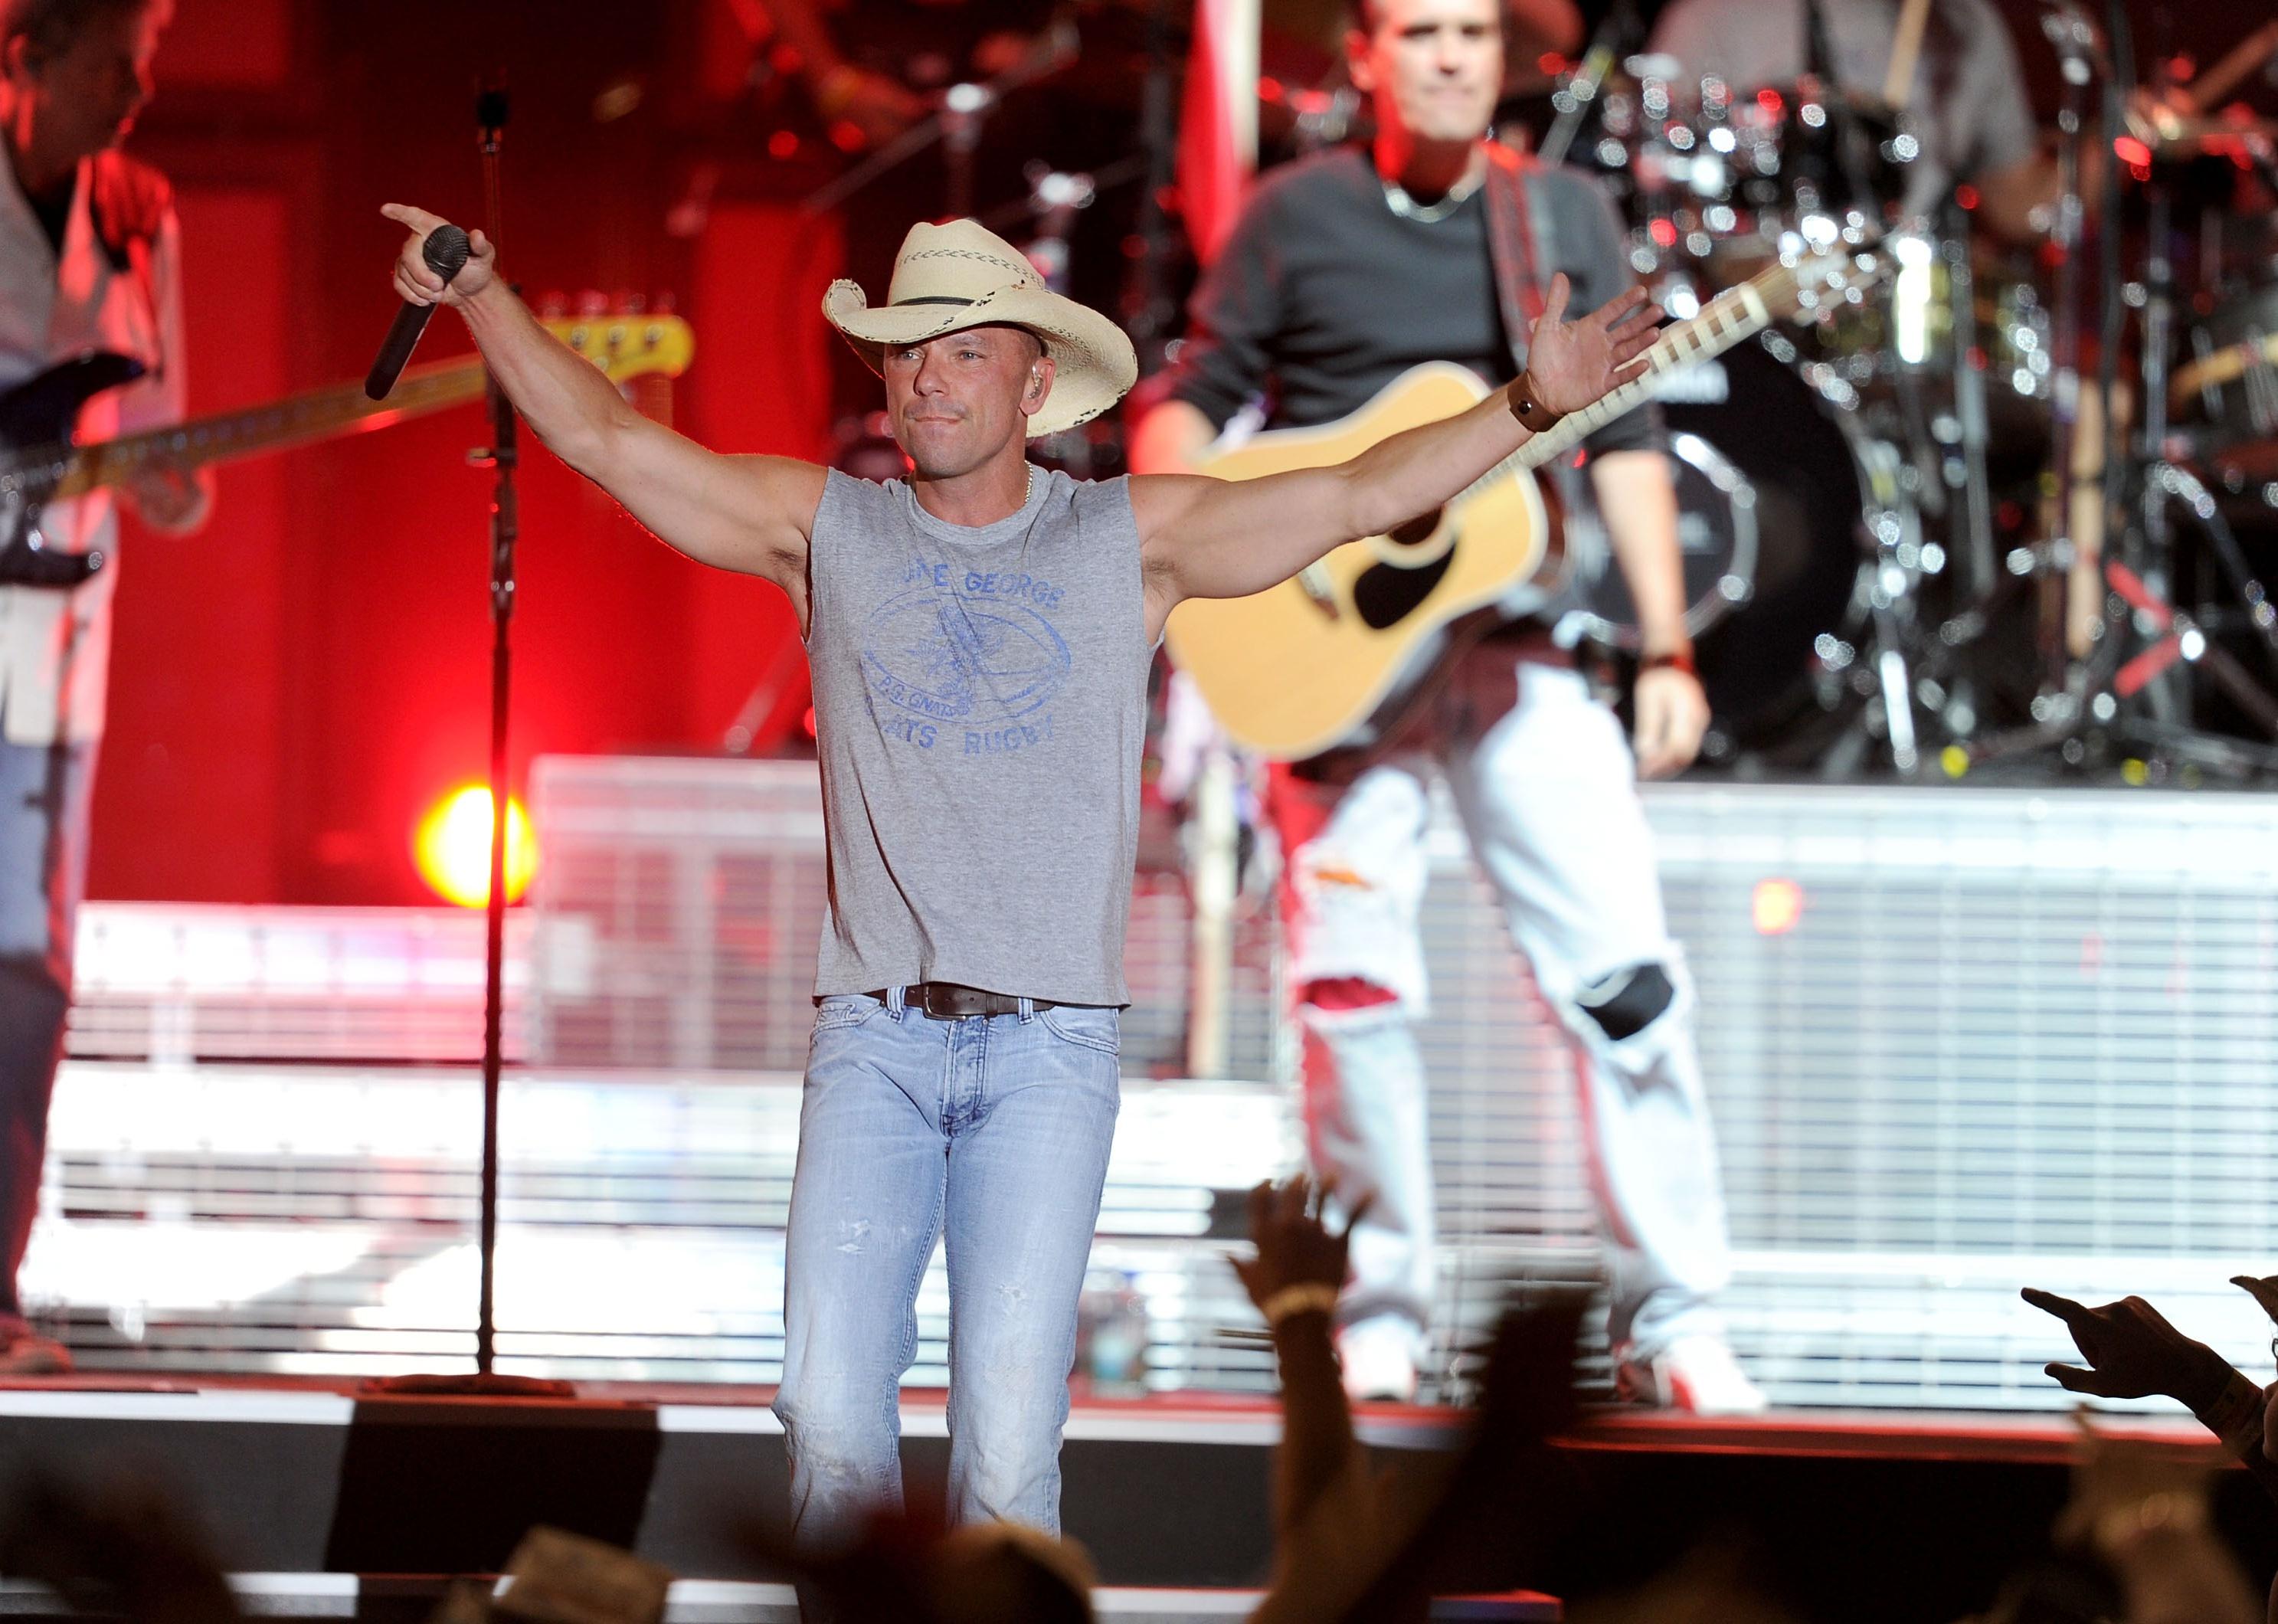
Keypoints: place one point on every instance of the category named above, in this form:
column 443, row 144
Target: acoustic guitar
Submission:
column 1307, row 665
column 40, row 463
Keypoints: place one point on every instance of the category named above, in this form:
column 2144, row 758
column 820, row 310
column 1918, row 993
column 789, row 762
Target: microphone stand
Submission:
column 502, row 456
column 506, row 528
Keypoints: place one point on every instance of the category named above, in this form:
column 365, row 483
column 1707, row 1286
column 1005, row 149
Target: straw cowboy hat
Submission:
column 951, row 277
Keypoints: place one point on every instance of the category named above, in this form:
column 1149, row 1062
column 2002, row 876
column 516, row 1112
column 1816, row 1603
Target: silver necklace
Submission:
column 1408, row 209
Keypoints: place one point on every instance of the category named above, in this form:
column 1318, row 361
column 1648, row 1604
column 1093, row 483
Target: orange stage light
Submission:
column 1777, row 906
column 453, row 848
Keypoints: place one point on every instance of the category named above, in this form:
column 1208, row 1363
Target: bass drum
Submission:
column 1771, row 503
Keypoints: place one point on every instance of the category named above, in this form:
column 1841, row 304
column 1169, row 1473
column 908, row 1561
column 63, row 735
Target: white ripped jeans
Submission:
column 1546, row 789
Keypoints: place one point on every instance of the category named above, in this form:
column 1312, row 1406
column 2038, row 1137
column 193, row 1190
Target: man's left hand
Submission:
column 1574, row 363
column 1672, row 714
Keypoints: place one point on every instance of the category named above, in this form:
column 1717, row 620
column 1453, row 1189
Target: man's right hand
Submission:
column 415, row 283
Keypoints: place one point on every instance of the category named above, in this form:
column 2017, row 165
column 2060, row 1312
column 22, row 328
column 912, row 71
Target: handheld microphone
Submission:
column 445, row 249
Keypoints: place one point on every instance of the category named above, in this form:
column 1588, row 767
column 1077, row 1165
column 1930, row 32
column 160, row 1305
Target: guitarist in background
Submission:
column 1345, row 270
column 90, row 259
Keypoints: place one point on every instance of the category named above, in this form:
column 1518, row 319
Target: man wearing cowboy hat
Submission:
column 980, row 634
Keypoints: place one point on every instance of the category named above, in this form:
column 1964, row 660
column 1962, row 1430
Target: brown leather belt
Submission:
column 946, row 1001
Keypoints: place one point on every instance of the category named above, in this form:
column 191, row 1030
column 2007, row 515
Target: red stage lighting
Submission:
column 453, row 848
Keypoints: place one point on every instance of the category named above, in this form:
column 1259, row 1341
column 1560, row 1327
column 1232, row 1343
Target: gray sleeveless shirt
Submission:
column 980, row 699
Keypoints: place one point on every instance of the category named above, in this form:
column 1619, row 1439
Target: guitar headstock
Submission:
column 629, row 344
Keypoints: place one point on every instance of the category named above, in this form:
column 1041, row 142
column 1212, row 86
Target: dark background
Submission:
column 293, row 687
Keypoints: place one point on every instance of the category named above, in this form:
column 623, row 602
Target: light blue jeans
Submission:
column 993, row 1133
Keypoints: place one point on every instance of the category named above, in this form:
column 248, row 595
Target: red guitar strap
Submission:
column 1519, row 277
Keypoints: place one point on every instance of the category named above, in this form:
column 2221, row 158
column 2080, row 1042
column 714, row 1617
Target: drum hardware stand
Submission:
column 1973, row 560
column 1575, row 98
column 2083, row 63
column 1151, row 309
column 1884, row 600
column 2063, row 702
column 2088, row 693
column 956, row 125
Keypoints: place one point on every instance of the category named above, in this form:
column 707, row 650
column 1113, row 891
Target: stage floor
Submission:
column 1183, row 1418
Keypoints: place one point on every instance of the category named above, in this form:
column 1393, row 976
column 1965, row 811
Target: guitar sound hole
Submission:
column 1384, row 594
column 1416, row 530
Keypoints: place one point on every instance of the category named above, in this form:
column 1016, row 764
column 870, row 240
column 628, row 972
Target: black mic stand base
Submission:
column 468, row 1385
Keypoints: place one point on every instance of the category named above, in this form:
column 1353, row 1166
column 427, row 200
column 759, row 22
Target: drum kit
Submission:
column 1997, row 506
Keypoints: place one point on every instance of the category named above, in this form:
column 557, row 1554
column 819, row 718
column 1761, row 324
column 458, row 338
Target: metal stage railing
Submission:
column 1957, row 1040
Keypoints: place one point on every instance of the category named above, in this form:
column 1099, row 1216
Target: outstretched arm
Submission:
column 750, row 514
column 1295, row 1280
column 1206, row 538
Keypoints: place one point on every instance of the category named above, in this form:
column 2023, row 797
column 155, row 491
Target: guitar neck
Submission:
column 1735, row 314
column 319, row 414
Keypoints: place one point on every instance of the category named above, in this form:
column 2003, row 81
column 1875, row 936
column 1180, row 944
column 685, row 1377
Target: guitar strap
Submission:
column 1513, row 246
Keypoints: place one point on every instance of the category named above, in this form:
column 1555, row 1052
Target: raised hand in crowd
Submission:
column 1300, row 1266
column 1501, row 1516
column 1295, row 1280
column 2132, row 1353
column 2146, row 1516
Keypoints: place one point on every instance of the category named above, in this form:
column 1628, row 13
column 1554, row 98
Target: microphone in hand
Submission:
column 446, row 250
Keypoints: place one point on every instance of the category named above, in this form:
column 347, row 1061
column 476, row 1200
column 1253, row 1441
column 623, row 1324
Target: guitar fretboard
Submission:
column 1735, row 314
column 62, row 470
column 624, row 346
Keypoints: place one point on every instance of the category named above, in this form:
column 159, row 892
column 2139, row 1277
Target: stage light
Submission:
column 1777, row 906
column 453, row 848
column 1911, row 298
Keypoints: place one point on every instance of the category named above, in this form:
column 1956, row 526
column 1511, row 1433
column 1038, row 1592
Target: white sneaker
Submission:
column 1378, row 1358
column 1695, row 1374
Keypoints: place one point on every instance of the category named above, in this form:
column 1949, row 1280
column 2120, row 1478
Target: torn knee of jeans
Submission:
column 1627, row 1001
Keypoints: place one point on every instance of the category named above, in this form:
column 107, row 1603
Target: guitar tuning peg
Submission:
column 592, row 301
column 629, row 304
column 664, row 304
column 553, row 305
